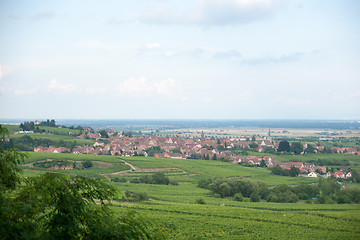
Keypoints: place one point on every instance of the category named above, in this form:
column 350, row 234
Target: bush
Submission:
column 200, row 201
column 238, row 197
column 136, row 197
column 254, row 197
column 87, row 164
column 116, row 179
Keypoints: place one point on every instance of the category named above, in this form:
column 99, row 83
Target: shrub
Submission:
column 238, row 197
column 200, row 201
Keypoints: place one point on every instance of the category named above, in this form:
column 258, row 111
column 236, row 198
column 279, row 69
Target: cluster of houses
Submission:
column 122, row 145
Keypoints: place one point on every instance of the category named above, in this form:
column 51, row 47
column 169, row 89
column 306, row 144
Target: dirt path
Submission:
column 130, row 165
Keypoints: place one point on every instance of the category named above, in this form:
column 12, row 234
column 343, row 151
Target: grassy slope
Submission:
column 55, row 138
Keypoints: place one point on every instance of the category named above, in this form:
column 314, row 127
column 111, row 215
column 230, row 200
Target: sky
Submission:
column 170, row 59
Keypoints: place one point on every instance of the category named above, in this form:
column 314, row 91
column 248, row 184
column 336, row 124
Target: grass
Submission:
column 54, row 138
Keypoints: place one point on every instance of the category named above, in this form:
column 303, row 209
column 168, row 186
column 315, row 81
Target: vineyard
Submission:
column 176, row 208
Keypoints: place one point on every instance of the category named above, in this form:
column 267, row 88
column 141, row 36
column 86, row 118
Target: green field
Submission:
column 173, row 206
column 54, row 138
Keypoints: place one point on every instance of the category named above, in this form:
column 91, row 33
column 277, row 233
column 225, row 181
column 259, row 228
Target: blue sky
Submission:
column 214, row 59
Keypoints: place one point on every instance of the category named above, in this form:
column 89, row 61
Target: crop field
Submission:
column 174, row 206
column 194, row 221
column 275, row 132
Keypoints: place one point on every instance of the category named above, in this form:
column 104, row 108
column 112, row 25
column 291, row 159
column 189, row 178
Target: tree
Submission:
column 294, row 172
column 262, row 163
column 253, row 145
column 297, row 148
column 277, row 170
column 310, row 148
column 284, row 146
column 103, row 134
column 87, row 164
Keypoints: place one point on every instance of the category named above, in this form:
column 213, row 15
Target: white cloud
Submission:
column 26, row 91
column 170, row 53
column 152, row 45
column 4, row 70
column 215, row 12
column 54, row 85
column 97, row 44
column 135, row 87
column 168, row 87
column 141, row 87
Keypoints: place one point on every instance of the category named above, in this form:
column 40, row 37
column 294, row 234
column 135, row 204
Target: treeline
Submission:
column 327, row 191
column 155, row 178
column 27, row 143
column 30, row 126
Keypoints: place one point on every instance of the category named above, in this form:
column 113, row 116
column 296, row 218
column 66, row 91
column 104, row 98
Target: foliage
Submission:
column 277, row 170
column 152, row 150
column 297, row 148
column 284, row 146
column 135, row 197
column 87, row 164
column 103, row 134
column 200, row 201
column 56, row 206
column 53, row 163
column 155, row 178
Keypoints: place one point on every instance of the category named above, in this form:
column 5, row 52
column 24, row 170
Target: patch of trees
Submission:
column 293, row 172
column 55, row 163
column 152, row 150
column 135, row 197
column 103, row 134
column 327, row 191
column 48, row 123
column 229, row 187
column 284, row 146
column 155, row 178
column 87, row 164
column 27, row 126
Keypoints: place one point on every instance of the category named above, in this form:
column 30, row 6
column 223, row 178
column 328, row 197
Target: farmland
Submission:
column 175, row 208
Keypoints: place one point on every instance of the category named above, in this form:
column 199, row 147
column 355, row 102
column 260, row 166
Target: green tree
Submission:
column 297, row 148
column 87, row 164
column 310, row 148
column 284, row 146
column 103, row 133
column 253, row 145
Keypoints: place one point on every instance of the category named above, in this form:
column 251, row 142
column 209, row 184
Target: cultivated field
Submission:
column 174, row 207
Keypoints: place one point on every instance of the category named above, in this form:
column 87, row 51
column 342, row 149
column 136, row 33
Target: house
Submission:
column 351, row 150
column 348, row 175
column 97, row 144
column 339, row 175
column 36, row 122
column 313, row 174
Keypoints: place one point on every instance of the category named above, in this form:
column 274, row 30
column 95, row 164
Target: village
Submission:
column 121, row 144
